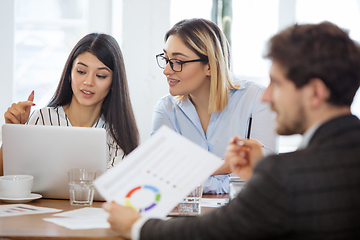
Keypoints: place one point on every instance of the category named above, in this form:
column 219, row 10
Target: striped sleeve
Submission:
column 34, row 118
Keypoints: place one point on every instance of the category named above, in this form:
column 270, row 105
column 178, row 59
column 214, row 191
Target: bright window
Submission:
column 249, row 32
column 344, row 13
column 45, row 33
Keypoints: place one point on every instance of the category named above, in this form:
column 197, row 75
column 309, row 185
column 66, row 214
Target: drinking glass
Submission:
column 81, row 186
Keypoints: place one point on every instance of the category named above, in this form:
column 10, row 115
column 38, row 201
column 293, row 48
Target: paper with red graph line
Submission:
column 158, row 174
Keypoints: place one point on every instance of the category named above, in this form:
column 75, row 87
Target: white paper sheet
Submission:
column 79, row 223
column 83, row 218
column 86, row 212
column 10, row 210
column 158, row 174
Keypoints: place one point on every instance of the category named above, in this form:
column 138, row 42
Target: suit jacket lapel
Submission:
column 334, row 127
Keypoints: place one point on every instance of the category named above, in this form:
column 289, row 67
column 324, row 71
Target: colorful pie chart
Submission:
column 139, row 188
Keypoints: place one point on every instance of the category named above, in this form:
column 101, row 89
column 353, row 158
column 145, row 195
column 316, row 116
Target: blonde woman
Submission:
column 207, row 104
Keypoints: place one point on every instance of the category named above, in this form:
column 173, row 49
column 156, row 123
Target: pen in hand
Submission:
column 249, row 128
column 248, row 133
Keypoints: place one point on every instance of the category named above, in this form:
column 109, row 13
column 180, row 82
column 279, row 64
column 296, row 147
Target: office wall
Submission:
column 143, row 30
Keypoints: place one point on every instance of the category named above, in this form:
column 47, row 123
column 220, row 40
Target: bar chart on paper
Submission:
column 158, row 174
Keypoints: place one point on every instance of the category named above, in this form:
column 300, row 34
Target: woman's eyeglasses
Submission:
column 175, row 64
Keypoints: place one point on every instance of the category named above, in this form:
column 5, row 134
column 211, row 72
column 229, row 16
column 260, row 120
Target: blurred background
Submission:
column 37, row 36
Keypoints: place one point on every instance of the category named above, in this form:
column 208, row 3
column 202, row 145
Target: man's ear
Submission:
column 318, row 91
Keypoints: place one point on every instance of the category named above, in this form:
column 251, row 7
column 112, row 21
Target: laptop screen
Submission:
column 47, row 152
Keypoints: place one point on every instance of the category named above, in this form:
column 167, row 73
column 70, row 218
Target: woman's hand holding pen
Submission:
column 19, row 112
column 242, row 155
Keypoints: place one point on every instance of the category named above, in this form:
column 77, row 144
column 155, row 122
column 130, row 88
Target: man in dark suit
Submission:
column 312, row 193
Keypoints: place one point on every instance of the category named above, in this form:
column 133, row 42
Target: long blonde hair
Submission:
column 207, row 40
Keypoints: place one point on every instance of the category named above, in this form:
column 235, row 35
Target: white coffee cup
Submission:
column 16, row 186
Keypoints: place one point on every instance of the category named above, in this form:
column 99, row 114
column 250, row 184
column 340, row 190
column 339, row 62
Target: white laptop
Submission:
column 47, row 152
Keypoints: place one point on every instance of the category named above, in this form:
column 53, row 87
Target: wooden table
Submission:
column 34, row 227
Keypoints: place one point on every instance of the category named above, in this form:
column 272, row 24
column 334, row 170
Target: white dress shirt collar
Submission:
column 308, row 135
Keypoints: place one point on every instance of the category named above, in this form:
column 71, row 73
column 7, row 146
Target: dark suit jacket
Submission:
column 312, row 193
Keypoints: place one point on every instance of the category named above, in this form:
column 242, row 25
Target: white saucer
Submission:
column 32, row 197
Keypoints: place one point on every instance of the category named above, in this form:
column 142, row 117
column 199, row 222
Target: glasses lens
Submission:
column 176, row 65
column 161, row 60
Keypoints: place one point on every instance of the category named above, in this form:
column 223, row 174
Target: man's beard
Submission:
column 295, row 125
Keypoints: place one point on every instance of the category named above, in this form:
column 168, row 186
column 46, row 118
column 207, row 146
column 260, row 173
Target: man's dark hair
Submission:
column 321, row 51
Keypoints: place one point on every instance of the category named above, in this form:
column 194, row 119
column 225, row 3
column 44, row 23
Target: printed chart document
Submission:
column 10, row 210
column 158, row 174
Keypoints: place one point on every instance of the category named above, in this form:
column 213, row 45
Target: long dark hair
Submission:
column 116, row 108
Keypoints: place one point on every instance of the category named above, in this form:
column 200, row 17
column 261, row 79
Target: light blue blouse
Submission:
column 181, row 116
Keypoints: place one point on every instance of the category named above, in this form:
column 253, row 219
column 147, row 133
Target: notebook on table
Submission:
column 47, row 152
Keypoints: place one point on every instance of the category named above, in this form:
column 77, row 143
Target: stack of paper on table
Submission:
column 83, row 218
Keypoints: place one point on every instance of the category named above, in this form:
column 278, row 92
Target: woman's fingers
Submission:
column 10, row 118
column 18, row 113
column 31, row 96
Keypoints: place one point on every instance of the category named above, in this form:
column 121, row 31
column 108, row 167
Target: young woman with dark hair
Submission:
column 92, row 92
